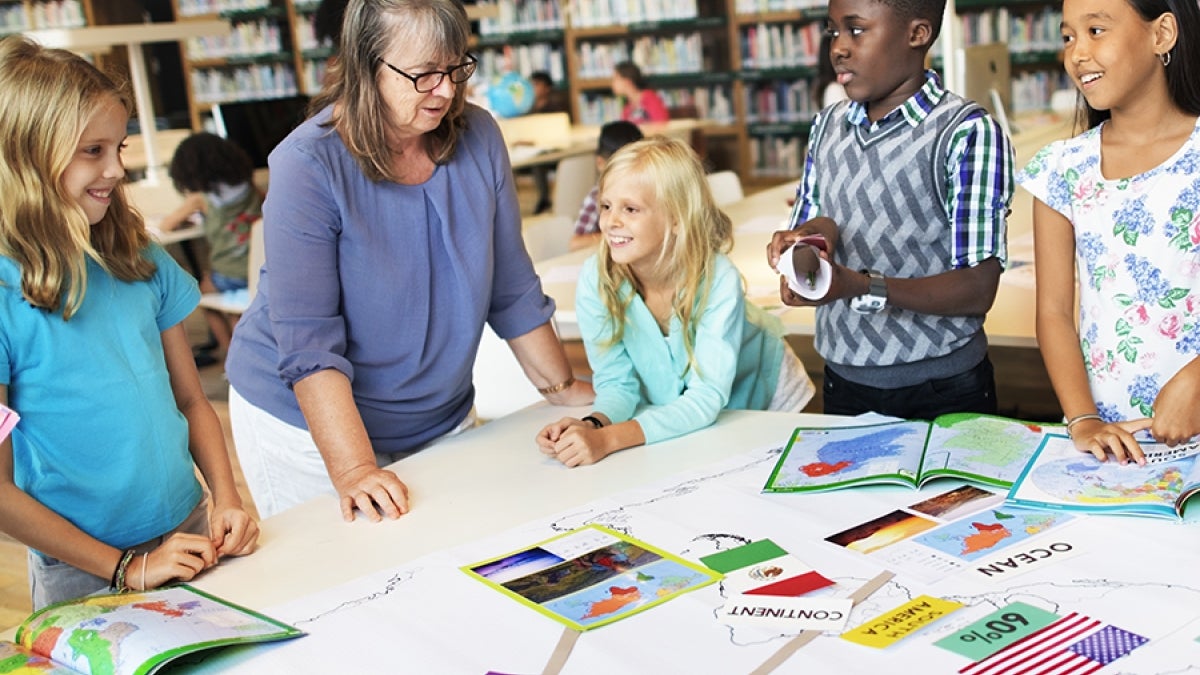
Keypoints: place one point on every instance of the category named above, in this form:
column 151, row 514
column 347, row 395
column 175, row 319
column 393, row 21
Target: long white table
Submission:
column 389, row 597
column 1009, row 323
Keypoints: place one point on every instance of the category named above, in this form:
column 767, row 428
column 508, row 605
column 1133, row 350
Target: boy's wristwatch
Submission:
column 875, row 298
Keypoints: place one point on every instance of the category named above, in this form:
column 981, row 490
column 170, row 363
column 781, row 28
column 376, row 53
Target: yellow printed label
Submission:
column 899, row 623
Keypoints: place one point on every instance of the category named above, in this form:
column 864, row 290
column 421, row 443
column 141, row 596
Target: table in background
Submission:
column 1009, row 323
column 541, row 139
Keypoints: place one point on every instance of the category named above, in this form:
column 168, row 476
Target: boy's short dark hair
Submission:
column 931, row 10
column 204, row 160
column 616, row 135
column 541, row 76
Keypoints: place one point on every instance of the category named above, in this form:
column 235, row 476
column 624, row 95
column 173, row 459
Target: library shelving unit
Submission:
column 256, row 60
column 17, row 16
column 776, row 61
column 684, row 50
column 524, row 37
column 1031, row 30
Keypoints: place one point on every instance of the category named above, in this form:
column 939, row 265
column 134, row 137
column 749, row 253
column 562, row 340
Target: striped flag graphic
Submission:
column 1073, row 645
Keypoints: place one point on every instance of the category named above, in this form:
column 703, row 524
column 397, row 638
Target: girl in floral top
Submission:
column 1122, row 202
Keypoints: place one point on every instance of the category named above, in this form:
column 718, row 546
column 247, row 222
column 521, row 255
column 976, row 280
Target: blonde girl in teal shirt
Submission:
column 663, row 314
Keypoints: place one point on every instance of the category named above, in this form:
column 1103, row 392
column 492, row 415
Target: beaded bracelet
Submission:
column 555, row 388
column 117, row 582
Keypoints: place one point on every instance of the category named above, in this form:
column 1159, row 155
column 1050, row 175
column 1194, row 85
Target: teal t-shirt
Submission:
column 101, row 441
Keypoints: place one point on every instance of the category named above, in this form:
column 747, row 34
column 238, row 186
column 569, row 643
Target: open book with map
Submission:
column 132, row 633
column 591, row 576
column 979, row 448
column 1060, row 476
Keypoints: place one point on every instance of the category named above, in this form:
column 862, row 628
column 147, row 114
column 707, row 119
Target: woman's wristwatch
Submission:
column 875, row 299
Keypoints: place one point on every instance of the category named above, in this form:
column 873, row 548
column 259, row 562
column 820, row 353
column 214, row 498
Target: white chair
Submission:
column 547, row 235
column 219, row 301
column 573, row 179
column 726, row 187
column 501, row 386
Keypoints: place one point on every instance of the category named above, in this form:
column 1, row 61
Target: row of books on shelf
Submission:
column 711, row 103
column 52, row 14
column 1032, row 90
column 1033, row 30
column 244, row 83
column 524, row 59
column 781, row 45
column 245, row 39
column 774, row 156
column 313, row 74
column 760, row 6
column 600, row 13
column 780, row 102
column 205, row 7
column 680, row 53
column 523, row 16
column 306, row 34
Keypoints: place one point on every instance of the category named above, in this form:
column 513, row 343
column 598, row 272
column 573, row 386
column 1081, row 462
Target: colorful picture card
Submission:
column 591, row 576
column 8, row 420
column 895, row 625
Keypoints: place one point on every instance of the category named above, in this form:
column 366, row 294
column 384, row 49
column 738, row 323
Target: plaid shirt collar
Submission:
column 915, row 109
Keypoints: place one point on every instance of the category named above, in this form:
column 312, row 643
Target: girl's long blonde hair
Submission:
column 50, row 95
column 673, row 172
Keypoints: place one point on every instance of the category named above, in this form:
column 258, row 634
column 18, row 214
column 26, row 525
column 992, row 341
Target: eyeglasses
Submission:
column 427, row 82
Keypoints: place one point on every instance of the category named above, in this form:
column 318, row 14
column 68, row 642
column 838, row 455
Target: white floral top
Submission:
column 1137, row 255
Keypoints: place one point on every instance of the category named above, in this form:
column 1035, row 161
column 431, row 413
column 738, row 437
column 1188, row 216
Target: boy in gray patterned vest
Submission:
column 909, row 185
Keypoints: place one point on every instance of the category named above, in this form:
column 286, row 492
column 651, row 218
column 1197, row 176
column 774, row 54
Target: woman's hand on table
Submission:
column 373, row 491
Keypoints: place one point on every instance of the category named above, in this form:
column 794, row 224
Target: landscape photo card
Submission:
column 591, row 576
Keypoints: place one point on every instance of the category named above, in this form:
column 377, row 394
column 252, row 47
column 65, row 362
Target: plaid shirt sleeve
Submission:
column 979, row 170
column 807, row 204
column 589, row 215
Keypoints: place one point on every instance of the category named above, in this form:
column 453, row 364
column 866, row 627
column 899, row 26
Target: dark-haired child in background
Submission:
column 215, row 176
column 613, row 137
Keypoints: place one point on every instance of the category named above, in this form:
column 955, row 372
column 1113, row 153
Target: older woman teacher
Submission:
column 393, row 234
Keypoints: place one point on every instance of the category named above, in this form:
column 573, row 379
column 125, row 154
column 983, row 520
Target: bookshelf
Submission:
column 17, row 16
column 1031, row 30
column 255, row 60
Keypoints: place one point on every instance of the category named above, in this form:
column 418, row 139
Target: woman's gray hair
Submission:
column 369, row 28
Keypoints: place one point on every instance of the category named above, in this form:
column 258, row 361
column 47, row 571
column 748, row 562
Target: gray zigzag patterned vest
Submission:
column 890, row 206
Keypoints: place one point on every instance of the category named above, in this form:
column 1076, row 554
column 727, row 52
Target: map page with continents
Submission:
column 425, row 615
column 980, row 448
column 1062, row 477
column 132, row 633
column 591, row 576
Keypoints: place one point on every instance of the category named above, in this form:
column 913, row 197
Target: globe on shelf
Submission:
column 510, row 95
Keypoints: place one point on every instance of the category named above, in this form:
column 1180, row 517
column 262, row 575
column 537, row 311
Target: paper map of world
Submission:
column 716, row 509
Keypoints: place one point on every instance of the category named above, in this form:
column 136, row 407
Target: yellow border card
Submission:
column 591, row 576
column 897, row 624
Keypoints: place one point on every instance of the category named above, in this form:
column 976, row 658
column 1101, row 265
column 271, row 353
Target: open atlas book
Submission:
column 132, row 633
column 980, row 448
column 1060, row 476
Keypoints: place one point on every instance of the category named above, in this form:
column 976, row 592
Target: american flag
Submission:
column 1073, row 645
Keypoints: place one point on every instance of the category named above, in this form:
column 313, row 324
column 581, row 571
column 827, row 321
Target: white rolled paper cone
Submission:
column 801, row 287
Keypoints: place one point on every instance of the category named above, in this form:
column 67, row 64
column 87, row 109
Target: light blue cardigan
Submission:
column 645, row 377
